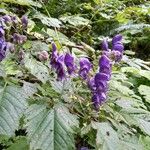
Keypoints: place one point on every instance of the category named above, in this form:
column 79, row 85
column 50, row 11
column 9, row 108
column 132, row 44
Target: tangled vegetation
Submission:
column 74, row 75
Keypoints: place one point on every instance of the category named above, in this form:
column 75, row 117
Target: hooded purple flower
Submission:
column 105, row 45
column 60, row 68
column 117, row 38
column 98, row 99
column 101, row 82
column 69, row 62
column 7, row 19
column 24, row 21
column 19, row 39
column 2, row 32
column 91, row 84
column 3, row 48
column 54, row 56
column 85, row 66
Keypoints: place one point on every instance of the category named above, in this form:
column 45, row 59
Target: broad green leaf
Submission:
column 106, row 138
column 37, row 69
column 145, row 73
column 58, row 36
column 19, row 144
column 75, row 20
column 10, row 67
column 12, row 106
column 49, row 21
column 144, row 125
column 116, row 85
column 145, row 140
column 23, row 2
column 38, row 46
column 145, row 91
column 50, row 128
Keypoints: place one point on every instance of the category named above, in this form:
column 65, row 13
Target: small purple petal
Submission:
column 2, row 32
column 104, row 61
column 69, row 62
column 24, row 21
column 117, row 38
column 7, row 19
column 105, row 45
column 85, row 67
column 118, row 47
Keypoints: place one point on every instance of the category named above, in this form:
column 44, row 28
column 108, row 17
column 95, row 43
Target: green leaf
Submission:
column 12, row 106
column 37, row 69
column 23, row 2
column 20, row 144
column 145, row 140
column 49, row 21
column 145, row 73
column 116, row 85
column 75, row 20
column 145, row 91
column 106, row 138
column 50, row 128
column 58, row 36
column 144, row 125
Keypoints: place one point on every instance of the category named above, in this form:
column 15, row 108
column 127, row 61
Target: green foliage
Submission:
column 39, row 112
column 50, row 128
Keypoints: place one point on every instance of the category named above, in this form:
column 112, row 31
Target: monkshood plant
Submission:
column 98, row 84
column 51, row 98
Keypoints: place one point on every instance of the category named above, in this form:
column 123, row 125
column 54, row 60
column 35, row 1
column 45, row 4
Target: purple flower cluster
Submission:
column 59, row 62
column 5, row 21
column 117, row 48
column 4, row 46
column 8, row 20
column 98, row 84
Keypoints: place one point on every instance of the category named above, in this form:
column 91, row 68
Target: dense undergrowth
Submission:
column 43, row 105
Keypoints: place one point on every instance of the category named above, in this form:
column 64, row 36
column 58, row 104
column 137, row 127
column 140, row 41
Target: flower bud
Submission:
column 24, row 21
column 42, row 56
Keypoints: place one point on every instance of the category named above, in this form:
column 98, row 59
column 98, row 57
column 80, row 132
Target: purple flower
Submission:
column 98, row 99
column 118, row 47
column 117, row 38
column 6, row 19
column 105, row 45
column 3, row 48
column 24, row 21
column 69, row 62
column 60, row 68
column 2, row 32
column 54, row 56
column 91, row 84
column 14, row 19
column 19, row 39
column 104, row 62
column 85, row 66
column 101, row 82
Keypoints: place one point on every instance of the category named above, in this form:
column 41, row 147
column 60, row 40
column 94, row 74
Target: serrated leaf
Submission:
column 12, row 106
column 23, row 2
column 58, row 36
column 75, row 20
column 49, row 21
column 116, row 85
column 145, row 91
column 144, row 125
column 37, row 69
column 145, row 73
column 50, row 128
column 106, row 138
